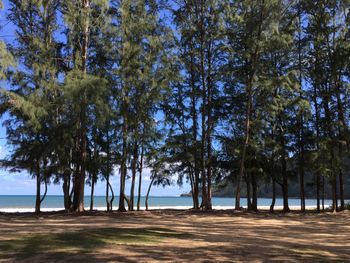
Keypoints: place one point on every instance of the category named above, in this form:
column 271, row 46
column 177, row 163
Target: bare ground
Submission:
column 175, row 236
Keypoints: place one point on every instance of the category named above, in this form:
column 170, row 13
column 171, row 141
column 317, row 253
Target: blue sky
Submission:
column 22, row 184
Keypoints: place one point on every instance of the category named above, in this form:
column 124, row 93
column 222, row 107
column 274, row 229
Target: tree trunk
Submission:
column 123, row 168
column 38, row 183
column 301, row 181
column 110, row 202
column 254, row 193
column 272, row 206
column 318, row 192
column 247, row 180
column 341, row 190
column 78, row 197
column 92, row 192
column 323, row 192
column 148, row 191
column 245, row 146
column 107, row 176
column 317, row 144
column 66, row 191
column 334, row 194
column 202, row 33
column 107, row 194
column 194, row 133
column 133, row 177
column 140, row 179
column 190, row 175
column 209, row 126
column 45, row 193
column 285, row 177
column 301, row 120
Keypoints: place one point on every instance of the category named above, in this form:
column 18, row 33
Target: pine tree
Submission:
column 142, row 77
column 80, row 87
column 30, row 100
column 327, row 32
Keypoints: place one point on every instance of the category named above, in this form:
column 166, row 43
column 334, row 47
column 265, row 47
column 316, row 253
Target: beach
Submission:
column 175, row 236
column 142, row 208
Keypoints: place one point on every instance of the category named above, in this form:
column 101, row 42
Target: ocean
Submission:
column 27, row 202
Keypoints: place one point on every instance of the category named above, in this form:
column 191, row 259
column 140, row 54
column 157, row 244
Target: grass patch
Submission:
column 83, row 241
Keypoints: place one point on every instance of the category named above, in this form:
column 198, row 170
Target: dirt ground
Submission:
column 175, row 236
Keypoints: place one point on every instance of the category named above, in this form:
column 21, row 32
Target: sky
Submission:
column 23, row 184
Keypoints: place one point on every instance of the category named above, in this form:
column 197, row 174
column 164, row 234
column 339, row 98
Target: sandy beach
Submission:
column 175, row 236
column 57, row 209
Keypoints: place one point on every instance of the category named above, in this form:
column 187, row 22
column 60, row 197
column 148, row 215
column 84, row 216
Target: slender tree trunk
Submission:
column 107, row 194
column 107, row 176
column 334, row 194
column 245, row 146
column 341, row 190
column 45, row 192
column 38, row 183
column 301, row 119
column 323, row 192
column 318, row 192
column 140, row 178
column 301, row 181
column 254, row 193
column 272, row 206
column 285, row 189
column 317, row 144
column 334, row 184
column 148, row 191
column 127, row 200
column 247, row 180
column 194, row 132
column 190, row 175
column 133, row 177
column 112, row 196
column 328, row 127
column 202, row 32
column 285, row 176
column 209, row 125
column 92, row 192
column 123, row 168
column 66, row 191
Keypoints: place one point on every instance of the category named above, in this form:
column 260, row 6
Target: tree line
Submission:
column 253, row 92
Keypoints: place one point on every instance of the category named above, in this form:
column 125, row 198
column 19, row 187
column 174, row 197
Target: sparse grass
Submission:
column 85, row 241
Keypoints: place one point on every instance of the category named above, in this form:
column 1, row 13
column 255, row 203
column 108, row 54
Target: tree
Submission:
column 142, row 76
column 30, row 101
column 327, row 33
column 80, row 85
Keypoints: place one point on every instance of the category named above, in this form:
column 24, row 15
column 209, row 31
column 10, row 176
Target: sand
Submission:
column 218, row 207
column 175, row 236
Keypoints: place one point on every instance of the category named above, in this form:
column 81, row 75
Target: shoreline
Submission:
column 104, row 209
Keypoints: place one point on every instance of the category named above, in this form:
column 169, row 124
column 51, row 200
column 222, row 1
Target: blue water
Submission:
column 26, row 201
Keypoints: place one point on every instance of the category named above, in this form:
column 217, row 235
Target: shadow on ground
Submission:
column 62, row 245
column 176, row 236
